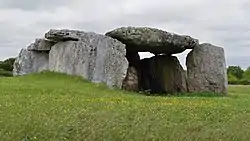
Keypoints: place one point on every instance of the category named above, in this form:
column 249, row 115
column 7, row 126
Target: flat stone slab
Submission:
column 41, row 45
column 145, row 39
column 97, row 58
column 63, row 35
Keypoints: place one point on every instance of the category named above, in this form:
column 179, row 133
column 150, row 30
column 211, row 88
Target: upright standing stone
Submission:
column 30, row 62
column 96, row 57
column 206, row 69
column 162, row 74
column 131, row 82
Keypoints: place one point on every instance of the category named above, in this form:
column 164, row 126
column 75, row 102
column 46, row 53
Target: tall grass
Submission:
column 55, row 107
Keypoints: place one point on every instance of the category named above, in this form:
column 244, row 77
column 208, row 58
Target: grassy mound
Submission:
column 58, row 107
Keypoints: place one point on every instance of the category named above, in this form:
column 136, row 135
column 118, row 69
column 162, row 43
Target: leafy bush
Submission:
column 7, row 64
column 243, row 82
column 232, row 79
column 4, row 73
column 6, row 67
column 236, row 71
column 237, row 76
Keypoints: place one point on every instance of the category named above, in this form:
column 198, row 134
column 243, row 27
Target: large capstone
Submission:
column 206, row 69
column 162, row 74
column 96, row 57
column 145, row 39
column 41, row 45
column 30, row 62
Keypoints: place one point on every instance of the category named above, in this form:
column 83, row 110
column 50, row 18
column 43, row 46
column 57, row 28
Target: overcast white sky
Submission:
column 224, row 23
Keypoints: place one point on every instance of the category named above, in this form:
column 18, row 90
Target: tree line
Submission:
column 238, row 76
column 6, row 67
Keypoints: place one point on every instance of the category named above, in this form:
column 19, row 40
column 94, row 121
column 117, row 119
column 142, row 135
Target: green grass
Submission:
column 56, row 107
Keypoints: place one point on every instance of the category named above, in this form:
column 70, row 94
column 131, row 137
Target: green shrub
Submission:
column 237, row 76
column 243, row 82
column 232, row 79
column 7, row 64
column 4, row 73
column 235, row 71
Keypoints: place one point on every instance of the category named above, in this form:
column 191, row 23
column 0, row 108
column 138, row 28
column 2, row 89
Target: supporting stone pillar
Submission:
column 206, row 69
column 131, row 82
column 162, row 74
column 30, row 62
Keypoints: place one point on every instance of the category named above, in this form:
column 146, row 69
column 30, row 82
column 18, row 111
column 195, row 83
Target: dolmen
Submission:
column 113, row 59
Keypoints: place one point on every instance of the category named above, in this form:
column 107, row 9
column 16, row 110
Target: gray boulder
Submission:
column 96, row 57
column 131, row 81
column 63, row 35
column 145, row 39
column 30, row 62
column 162, row 74
column 206, row 69
column 41, row 45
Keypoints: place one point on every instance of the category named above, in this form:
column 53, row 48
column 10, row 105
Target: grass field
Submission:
column 55, row 107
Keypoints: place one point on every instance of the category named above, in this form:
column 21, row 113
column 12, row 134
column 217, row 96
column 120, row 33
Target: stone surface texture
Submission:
column 41, row 45
column 96, row 57
column 30, row 62
column 63, row 35
column 162, row 74
column 131, row 82
column 206, row 69
column 145, row 39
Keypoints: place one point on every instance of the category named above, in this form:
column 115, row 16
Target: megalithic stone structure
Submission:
column 113, row 59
